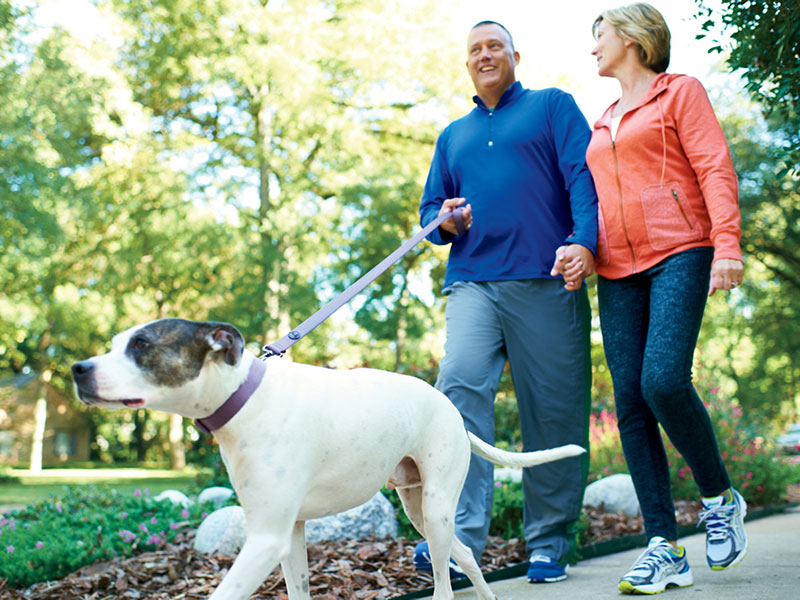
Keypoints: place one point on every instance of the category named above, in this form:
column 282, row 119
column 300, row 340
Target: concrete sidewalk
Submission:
column 771, row 570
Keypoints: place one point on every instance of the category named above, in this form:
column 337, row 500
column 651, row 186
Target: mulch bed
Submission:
column 365, row 569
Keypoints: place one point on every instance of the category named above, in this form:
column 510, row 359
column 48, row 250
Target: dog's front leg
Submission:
column 295, row 565
column 260, row 554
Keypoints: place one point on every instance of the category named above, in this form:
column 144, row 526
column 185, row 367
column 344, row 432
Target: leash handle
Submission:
column 283, row 344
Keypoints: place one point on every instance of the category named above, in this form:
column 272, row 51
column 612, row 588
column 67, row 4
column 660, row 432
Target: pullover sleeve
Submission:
column 438, row 188
column 706, row 149
column 572, row 134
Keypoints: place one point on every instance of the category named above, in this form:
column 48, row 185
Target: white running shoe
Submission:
column 656, row 569
column 726, row 540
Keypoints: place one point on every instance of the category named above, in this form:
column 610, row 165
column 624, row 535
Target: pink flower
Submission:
column 10, row 549
column 153, row 521
column 127, row 536
column 184, row 514
column 137, row 493
column 143, row 528
column 39, row 545
column 749, row 475
column 124, row 515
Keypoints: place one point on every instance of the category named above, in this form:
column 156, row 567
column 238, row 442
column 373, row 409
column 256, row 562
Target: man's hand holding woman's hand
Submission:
column 575, row 263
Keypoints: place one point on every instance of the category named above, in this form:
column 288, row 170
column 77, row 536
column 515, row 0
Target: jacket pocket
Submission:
column 602, row 238
column 668, row 216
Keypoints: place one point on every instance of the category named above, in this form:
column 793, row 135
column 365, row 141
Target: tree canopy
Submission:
column 245, row 161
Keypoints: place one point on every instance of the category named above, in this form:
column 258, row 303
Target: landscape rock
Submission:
column 615, row 493
column 222, row 531
column 219, row 495
column 175, row 497
column 374, row 518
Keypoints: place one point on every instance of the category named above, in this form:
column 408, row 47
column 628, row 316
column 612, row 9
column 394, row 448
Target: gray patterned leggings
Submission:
column 650, row 323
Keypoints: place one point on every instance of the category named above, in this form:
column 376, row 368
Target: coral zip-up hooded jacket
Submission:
column 666, row 183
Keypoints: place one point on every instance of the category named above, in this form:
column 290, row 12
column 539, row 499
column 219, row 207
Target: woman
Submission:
column 668, row 238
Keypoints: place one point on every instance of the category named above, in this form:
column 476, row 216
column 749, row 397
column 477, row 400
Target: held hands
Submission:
column 726, row 274
column 449, row 205
column 575, row 263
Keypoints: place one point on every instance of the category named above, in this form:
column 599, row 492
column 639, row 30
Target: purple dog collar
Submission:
column 236, row 401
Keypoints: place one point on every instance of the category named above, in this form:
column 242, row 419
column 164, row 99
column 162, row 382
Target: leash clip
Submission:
column 267, row 352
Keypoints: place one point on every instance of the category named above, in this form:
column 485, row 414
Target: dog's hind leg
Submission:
column 295, row 565
column 464, row 559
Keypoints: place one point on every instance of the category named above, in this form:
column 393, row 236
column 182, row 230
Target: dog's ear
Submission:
column 226, row 339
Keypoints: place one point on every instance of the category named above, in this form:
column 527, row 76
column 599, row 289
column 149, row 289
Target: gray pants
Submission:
column 543, row 331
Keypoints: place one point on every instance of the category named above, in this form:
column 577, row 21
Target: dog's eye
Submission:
column 139, row 343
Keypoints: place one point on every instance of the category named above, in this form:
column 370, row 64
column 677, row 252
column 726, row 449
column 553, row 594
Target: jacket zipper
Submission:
column 621, row 211
column 680, row 207
column 491, row 129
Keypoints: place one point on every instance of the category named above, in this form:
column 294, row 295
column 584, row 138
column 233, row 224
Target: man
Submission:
column 516, row 165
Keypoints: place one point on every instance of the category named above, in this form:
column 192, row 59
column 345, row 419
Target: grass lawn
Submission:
column 20, row 486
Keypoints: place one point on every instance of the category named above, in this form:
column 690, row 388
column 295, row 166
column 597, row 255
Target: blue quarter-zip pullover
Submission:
column 522, row 167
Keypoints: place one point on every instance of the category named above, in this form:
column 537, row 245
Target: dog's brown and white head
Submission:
column 171, row 365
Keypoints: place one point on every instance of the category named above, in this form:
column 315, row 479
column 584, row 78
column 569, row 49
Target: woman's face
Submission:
column 610, row 50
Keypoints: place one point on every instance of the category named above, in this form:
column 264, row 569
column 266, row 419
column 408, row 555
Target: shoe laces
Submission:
column 541, row 558
column 717, row 520
column 655, row 556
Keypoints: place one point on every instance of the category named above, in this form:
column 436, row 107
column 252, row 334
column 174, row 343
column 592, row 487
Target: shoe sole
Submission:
column 679, row 581
column 739, row 559
column 548, row 579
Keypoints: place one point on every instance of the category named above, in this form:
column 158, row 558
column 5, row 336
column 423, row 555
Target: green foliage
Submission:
column 507, row 510
column 754, row 465
column 50, row 539
column 766, row 49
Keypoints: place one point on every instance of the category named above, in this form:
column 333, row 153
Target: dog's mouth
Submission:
column 92, row 400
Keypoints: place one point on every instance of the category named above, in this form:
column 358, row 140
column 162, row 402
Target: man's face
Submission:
column 490, row 60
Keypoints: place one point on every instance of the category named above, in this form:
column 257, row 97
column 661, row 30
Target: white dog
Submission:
column 310, row 442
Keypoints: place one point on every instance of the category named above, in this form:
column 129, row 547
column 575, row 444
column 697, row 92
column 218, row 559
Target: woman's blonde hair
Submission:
column 644, row 25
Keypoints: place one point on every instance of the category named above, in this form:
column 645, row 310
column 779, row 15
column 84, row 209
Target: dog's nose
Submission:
column 81, row 370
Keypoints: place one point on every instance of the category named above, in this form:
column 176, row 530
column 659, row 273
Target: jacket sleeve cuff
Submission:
column 574, row 239
column 437, row 236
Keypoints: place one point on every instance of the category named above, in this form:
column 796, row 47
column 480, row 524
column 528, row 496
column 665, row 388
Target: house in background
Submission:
column 39, row 425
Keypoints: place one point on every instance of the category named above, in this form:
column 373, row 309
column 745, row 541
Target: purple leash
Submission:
column 283, row 344
column 258, row 367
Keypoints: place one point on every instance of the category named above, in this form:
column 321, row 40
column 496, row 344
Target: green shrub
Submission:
column 507, row 510
column 50, row 539
column 755, row 466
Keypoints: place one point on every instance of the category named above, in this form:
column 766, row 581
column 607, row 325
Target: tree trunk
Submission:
column 40, row 424
column 177, row 454
column 139, row 422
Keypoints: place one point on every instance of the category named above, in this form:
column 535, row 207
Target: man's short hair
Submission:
column 508, row 33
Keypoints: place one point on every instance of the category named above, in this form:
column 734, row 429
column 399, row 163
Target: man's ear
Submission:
column 226, row 340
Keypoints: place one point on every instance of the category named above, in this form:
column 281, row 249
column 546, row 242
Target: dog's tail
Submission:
column 521, row 459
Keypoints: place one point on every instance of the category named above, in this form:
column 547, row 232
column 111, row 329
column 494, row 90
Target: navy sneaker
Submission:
column 422, row 561
column 544, row 569
column 659, row 567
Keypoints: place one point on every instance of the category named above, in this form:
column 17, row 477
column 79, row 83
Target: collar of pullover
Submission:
column 514, row 90
column 657, row 86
